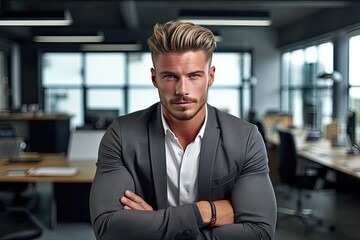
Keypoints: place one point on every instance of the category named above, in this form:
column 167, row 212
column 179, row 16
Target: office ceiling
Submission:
column 132, row 20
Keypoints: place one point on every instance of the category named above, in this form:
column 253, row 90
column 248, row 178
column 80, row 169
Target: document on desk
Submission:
column 53, row 171
column 353, row 165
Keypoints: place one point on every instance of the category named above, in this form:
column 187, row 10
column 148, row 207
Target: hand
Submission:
column 132, row 201
column 224, row 212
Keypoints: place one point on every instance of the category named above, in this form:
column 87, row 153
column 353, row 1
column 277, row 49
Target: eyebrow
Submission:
column 165, row 73
column 172, row 73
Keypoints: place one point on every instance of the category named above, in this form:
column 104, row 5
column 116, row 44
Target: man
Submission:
column 182, row 169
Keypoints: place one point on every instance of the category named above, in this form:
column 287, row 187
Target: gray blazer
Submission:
column 233, row 165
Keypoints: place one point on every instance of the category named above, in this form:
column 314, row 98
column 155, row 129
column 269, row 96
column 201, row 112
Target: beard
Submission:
column 185, row 113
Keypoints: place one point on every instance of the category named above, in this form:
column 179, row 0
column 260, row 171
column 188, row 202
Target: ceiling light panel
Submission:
column 226, row 18
column 33, row 18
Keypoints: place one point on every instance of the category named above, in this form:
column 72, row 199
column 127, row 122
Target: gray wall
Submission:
column 266, row 62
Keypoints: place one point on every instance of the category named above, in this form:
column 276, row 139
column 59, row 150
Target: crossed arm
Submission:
column 224, row 210
column 118, row 210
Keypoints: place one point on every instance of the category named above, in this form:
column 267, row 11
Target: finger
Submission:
column 138, row 200
column 130, row 204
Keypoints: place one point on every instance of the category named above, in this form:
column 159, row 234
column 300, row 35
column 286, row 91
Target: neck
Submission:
column 186, row 131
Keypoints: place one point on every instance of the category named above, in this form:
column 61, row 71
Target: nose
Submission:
column 182, row 87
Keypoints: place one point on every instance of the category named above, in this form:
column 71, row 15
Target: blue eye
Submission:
column 169, row 76
column 195, row 75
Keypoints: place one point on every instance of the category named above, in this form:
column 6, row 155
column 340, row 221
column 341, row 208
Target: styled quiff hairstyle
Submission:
column 181, row 37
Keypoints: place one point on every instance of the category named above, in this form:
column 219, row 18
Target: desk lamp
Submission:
column 335, row 76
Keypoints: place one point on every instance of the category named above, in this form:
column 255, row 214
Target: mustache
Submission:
column 182, row 99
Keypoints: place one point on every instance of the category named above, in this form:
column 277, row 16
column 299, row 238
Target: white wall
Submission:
column 266, row 62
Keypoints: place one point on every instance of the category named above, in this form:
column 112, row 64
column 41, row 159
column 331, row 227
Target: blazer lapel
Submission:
column 209, row 146
column 157, row 158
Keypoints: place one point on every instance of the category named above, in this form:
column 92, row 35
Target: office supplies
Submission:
column 44, row 171
column 353, row 165
column 53, row 171
column 16, row 172
column 23, row 160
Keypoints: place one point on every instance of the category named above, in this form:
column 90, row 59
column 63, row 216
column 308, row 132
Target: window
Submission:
column 104, row 69
column 76, row 82
column 302, row 94
column 354, row 79
column 61, row 69
column 140, row 83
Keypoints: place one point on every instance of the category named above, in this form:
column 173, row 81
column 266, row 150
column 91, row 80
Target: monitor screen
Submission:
column 350, row 126
column 100, row 118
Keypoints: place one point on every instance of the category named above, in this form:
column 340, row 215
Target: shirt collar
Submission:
column 201, row 131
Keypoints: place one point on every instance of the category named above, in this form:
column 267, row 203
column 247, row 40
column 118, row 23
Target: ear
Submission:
column 211, row 76
column 153, row 77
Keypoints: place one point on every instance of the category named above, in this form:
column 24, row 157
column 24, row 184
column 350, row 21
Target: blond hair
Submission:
column 180, row 37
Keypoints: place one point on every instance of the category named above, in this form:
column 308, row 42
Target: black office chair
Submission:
column 16, row 223
column 8, row 138
column 252, row 118
column 288, row 174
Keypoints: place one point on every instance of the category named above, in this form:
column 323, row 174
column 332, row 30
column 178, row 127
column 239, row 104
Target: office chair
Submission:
column 11, row 146
column 15, row 222
column 288, row 174
column 18, row 224
column 252, row 118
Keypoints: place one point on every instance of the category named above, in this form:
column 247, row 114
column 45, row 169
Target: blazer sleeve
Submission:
column 111, row 221
column 252, row 197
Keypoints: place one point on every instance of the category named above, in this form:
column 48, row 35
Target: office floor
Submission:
column 341, row 209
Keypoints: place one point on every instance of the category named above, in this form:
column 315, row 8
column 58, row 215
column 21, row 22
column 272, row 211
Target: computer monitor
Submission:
column 309, row 115
column 351, row 127
column 100, row 118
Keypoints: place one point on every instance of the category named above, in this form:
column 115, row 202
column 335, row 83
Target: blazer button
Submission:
column 179, row 236
column 187, row 232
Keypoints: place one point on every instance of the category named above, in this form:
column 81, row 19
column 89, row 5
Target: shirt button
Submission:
column 180, row 153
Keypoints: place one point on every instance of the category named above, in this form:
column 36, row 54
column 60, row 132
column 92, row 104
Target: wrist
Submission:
column 213, row 214
column 205, row 211
column 208, row 214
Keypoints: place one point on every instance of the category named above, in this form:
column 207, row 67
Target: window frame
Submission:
column 127, row 87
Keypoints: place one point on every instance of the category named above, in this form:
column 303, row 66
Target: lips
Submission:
column 183, row 104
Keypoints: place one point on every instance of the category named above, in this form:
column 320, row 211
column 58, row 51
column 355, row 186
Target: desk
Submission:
column 86, row 168
column 323, row 153
column 70, row 197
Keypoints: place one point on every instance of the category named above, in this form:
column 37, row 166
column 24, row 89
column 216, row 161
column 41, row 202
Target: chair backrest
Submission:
column 84, row 144
column 261, row 129
column 287, row 157
column 7, row 130
column 10, row 144
column 11, row 147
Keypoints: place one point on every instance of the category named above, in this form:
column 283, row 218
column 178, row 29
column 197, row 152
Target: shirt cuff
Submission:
column 198, row 217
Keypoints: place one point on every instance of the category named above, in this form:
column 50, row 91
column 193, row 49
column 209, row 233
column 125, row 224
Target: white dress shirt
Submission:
column 182, row 166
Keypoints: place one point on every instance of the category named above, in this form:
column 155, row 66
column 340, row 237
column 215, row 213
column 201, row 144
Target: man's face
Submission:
column 182, row 80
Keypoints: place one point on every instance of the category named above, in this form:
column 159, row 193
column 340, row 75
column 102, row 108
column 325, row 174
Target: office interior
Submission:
column 301, row 71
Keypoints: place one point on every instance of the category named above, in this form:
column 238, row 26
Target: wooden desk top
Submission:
column 323, row 153
column 33, row 117
column 86, row 168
